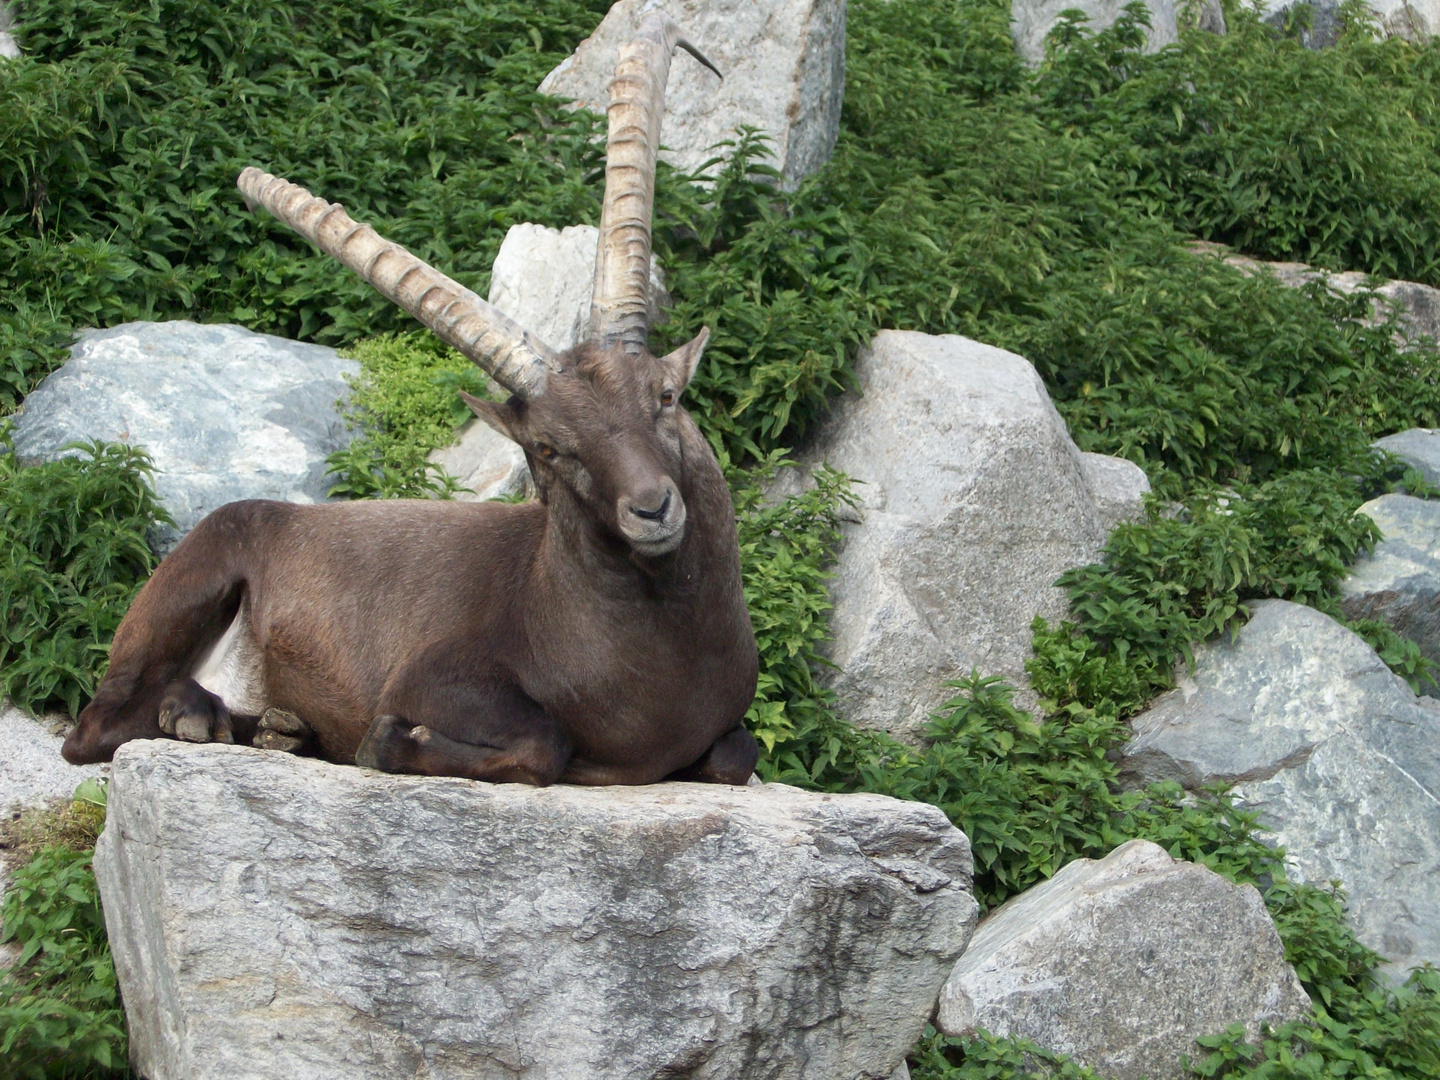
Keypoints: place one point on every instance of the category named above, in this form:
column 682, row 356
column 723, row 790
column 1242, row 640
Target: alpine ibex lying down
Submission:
column 598, row 636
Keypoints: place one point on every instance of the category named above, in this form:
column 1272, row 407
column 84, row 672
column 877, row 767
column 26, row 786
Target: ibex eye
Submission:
column 546, row 451
column 667, row 398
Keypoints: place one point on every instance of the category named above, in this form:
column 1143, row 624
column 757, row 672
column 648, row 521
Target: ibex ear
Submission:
column 499, row 415
column 684, row 360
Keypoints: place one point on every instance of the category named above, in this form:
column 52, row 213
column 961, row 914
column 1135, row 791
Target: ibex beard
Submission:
column 598, row 635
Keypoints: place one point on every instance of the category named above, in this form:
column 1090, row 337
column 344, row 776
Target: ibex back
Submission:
column 598, row 636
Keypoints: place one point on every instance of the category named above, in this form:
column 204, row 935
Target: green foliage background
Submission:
column 1047, row 212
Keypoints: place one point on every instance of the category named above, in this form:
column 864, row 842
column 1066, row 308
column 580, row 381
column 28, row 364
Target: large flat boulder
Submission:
column 226, row 413
column 974, row 500
column 1122, row 963
column 784, row 68
column 1399, row 582
column 279, row 916
column 1331, row 748
column 1032, row 20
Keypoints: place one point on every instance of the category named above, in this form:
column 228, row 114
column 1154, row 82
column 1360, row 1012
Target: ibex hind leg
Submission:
column 730, row 760
column 479, row 726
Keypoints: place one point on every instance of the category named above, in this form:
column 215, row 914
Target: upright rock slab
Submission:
column 1413, row 20
column 226, row 413
column 1399, row 582
column 1332, row 749
column 974, row 500
column 1123, row 963
column 1032, row 20
column 784, row 68
column 278, row 916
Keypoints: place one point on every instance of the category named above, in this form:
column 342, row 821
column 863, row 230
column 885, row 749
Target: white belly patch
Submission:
column 232, row 670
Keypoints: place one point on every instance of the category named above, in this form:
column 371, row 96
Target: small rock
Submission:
column 486, row 464
column 974, row 500
column 1416, row 307
column 1334, row 752
column 279, row 916
column 32, row 772
column 1417, row 447
column 1118, row 486
column 1032, row 20
column 226, row 413
column 1123, row 963
column 1399, row 582
column 784, row 68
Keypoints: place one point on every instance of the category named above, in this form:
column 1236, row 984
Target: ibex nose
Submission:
column 658, row 514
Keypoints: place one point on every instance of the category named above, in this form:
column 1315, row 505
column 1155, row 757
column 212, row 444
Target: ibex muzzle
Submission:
column 599, row 635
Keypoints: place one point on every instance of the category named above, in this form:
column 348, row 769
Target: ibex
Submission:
column 597, row 636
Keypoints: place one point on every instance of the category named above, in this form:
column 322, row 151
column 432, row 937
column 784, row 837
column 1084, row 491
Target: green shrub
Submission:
column 60, row 1014
column 73, row 554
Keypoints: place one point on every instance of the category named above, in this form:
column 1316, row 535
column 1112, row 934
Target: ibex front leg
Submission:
column 476, row 724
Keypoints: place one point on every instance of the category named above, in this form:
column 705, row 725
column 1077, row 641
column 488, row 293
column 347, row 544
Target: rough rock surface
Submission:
column 9, row 49
column 1399, row 582
column 784, row 68
column 32, row 772
column 974, row 500
column 1413, row 20
column 1416, row 306
column 487, row 465
column 226, row 413
column 1339, row 758
column 1123, row 963
column 279, row 916
column 1418, row 448
column 1031, row 20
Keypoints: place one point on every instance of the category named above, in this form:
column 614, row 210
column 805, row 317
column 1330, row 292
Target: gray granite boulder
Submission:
column 1417, row 447
column 226, row 413
column 974, row 500
column 279, row 916
column 784, row 68
column 1334, row 752
column 32, row 772
column 1412, row 20
column 9, row 49
column 1122, row 963
column 1032, row 20
column 1415, row 307
column 1399, row 582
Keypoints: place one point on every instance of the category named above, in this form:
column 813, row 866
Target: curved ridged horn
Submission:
column 514, row 358
column 619, row 303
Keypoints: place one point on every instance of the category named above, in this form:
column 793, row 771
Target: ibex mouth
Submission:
column 654, row 537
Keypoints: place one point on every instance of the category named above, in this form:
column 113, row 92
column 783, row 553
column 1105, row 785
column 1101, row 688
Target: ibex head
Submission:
column 602, row 422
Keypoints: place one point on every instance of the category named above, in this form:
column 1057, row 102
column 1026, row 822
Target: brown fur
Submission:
column 526, row 642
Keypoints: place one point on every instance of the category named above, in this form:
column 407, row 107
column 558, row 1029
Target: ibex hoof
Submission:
column 389, row 745
column 284, row 731
column 191, row 713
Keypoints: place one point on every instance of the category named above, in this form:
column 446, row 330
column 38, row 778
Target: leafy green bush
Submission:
column 405, row 404
column 73, row 554
column 60, row 1014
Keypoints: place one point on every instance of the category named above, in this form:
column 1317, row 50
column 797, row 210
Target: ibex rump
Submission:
column 599, row 636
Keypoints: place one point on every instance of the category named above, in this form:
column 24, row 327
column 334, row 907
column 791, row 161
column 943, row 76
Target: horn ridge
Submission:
column 620, row 299
column 512, row 356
